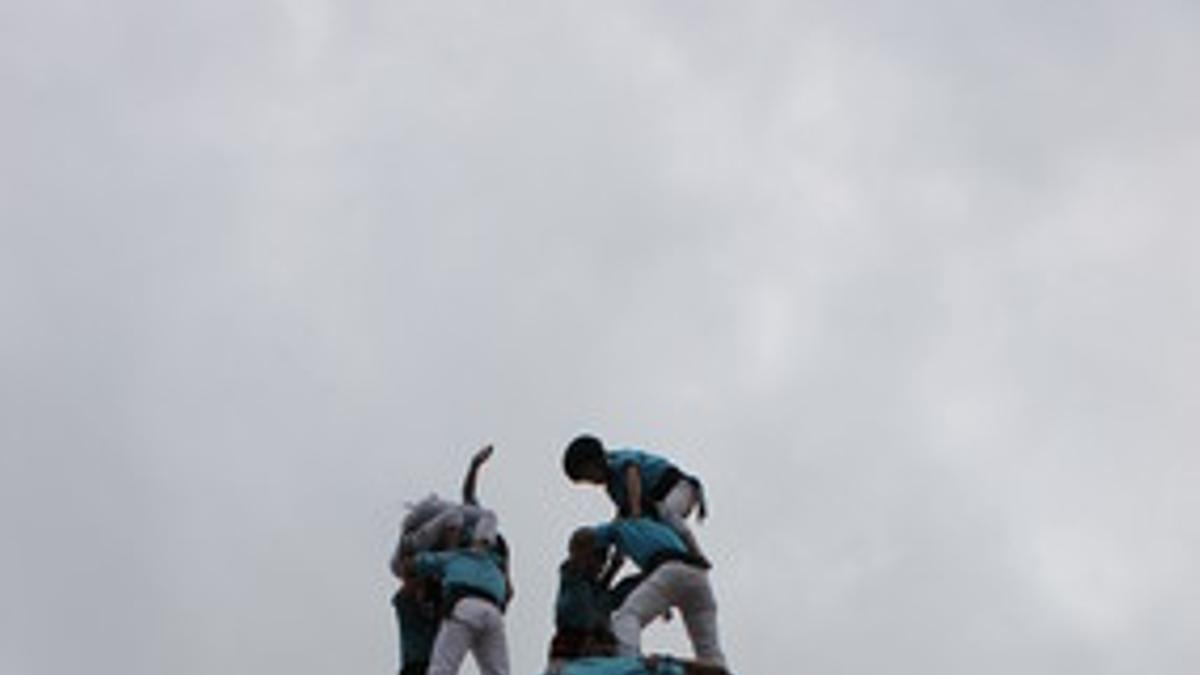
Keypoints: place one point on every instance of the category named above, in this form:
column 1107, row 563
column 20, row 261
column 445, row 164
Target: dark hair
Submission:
column 585, row 450
column 586, row 535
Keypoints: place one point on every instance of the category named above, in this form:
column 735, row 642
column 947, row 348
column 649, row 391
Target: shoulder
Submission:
column 605, row 532
column 620, row 460
column 645, row 526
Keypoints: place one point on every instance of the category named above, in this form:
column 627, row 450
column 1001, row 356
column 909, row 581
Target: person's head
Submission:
column 452, row 536
column 584, row 554
column 585, row 461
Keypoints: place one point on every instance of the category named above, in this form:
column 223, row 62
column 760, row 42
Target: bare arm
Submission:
column 633, row 487
column 472, row 478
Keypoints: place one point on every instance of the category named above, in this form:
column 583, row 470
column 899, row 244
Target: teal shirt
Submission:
column 465, row 570
column 641, row 539
column 583, row 604
column 651, row 467
column 620, row 665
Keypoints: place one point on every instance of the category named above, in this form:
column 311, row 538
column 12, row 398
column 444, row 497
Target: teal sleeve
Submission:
column 429, row 564
column 605, row 534
column 620, row 460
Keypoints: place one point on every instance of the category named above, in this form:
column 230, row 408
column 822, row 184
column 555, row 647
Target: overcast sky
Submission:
column 912, row 285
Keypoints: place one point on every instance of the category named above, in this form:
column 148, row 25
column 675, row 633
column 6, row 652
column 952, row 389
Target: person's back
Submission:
column 583, row 604
column 653, row 472
column 475, row 592
column 647, row 542
column 466, row 573
column 673, row 578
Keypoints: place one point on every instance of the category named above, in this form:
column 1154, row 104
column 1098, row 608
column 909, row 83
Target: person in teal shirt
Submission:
column 475, row 593
column 585, row 601
column 435, row 524
column 639, row 483
column 416, row 607
column 470, row 572
column 675, row 578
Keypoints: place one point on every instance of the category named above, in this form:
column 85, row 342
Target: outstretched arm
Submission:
column 471, row 479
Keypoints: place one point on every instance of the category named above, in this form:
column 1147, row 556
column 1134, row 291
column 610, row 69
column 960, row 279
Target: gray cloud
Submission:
column 911, row 286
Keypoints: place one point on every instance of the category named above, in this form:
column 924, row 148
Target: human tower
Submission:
column 453, row 565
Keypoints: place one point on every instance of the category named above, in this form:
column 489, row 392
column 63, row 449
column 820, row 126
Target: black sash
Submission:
column 456, row 593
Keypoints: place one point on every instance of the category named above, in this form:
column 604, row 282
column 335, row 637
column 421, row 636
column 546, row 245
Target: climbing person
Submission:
column 640, row 484
column 475, row 594
column 673, row 578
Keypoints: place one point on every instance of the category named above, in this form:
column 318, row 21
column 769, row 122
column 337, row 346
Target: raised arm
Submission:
column 472, row 478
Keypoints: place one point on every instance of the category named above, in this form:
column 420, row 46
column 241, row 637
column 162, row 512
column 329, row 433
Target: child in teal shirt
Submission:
column 639, row 483
column 675, row 578
column 475, row 592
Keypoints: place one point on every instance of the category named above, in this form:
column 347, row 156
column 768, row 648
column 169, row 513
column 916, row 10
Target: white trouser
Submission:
column 676, row 507
column 673, row 585
column 483, row 524
column 477, row 626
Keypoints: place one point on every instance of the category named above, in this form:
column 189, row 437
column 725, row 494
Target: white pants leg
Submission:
column 450, row 647
column 676, row 507
column 491, row 644
column 676, row 585
column 477, row 626
column 698, row 604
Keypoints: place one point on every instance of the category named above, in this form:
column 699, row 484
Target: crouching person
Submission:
column 584, row 606
column 673, row 578
column 475, row 592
